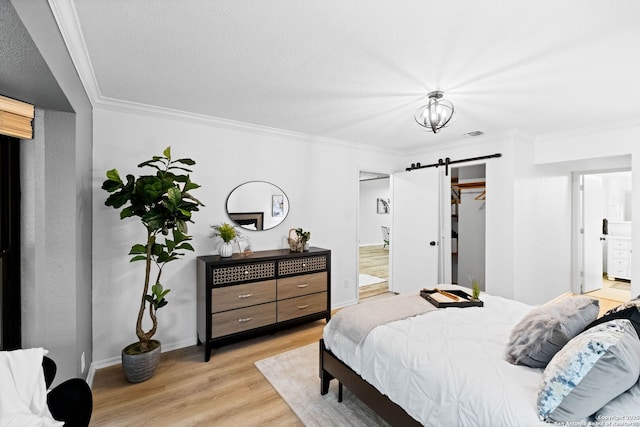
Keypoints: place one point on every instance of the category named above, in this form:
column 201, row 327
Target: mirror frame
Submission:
column 240, row 219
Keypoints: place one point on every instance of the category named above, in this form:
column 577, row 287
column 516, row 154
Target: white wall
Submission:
column 320, row 178
column 617, row 196
column 370, row 232
column 56, row 302
column 599, row 149
column 525, row 204
column 542, row 229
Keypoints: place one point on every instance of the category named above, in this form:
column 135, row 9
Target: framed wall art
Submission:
column 277, row 206
column 384, row 206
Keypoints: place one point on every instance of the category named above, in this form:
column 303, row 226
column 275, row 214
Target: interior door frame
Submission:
column 448, row 235
column 10, row 303
column 357, row 242
column 577, row 243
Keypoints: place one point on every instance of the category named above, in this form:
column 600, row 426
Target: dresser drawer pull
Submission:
column 302, row 307
column 303, row 286
column 245, row 319
column 245, row 295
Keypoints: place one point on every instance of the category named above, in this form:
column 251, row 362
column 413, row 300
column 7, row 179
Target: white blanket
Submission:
column 23, row 394
column 447, row 367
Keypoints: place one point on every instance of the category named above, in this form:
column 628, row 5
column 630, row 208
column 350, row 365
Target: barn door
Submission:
column 415, row 243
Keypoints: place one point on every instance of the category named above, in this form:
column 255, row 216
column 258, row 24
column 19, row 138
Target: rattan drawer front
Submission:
column 241, row 273
column 301, row 306
column 296, row 286
column 301, row 265
column 238, row 296
column 242, row 319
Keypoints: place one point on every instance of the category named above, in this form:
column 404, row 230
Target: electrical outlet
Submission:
column 82, row 364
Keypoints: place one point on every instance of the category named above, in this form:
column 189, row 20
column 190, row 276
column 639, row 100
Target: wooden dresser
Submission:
column 269, row 290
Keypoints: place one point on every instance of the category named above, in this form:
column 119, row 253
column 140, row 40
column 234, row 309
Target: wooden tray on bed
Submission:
column 464, row 301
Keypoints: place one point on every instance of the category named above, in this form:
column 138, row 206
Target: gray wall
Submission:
column 56, row 300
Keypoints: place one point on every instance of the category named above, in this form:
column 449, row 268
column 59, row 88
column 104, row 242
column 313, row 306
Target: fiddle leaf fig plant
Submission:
column 164, row 205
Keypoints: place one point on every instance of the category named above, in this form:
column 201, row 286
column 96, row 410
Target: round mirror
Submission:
column 257, row 205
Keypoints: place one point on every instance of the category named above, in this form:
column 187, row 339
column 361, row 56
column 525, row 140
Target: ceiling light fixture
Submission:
column 436, row 114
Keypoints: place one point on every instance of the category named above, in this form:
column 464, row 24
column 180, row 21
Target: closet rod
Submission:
column 447, row 161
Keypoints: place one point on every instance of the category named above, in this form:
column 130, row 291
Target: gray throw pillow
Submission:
column 592, row 369
column 546, row 329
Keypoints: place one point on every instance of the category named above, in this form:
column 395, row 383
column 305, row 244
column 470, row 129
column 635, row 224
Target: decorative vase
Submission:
column 226, row 250
column 140, row 367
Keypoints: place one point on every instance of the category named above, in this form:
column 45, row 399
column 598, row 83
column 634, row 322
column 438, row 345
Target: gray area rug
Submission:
column 294, row 375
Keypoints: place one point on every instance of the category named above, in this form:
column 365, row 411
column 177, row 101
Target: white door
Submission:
column 414, row 248
column 592, row 238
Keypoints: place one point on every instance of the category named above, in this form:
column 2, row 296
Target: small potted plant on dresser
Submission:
column 227, row 233
column 298, row 239
column 164, row 205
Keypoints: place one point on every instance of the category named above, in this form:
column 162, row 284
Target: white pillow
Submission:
column 23, row 394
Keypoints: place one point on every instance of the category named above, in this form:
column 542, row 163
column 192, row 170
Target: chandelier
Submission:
column 436, row 114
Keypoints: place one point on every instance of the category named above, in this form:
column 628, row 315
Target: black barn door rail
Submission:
column 447, row 161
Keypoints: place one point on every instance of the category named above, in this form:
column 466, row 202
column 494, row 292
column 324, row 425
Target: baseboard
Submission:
column 117, row 360
column 91, row 375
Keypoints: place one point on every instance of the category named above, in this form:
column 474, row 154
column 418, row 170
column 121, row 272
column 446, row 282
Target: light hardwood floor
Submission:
column 374, row 260
column 226, row 391
column 609, row 296
column 185, row 391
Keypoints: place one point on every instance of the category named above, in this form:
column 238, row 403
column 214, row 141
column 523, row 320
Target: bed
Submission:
column 448, row 366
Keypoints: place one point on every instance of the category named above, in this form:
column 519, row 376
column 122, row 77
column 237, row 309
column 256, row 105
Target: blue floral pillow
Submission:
column 592, row 369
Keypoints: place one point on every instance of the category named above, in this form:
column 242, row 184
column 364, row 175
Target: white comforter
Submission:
column 447, row 367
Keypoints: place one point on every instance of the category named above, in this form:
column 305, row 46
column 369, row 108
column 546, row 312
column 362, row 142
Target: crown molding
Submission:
column 64, row 12
column 129, row 107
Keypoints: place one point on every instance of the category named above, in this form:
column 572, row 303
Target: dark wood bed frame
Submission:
column 333, row 368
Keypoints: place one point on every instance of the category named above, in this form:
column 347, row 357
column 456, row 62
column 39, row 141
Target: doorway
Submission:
column 468, row 229
column 10, row 329
column 606, row 218
column 374, row 223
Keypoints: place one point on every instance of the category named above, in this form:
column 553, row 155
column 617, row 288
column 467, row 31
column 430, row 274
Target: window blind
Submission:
column 16, row 118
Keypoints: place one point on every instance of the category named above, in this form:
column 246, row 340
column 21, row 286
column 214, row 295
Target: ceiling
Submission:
column 24, row 74
column 357, row 70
